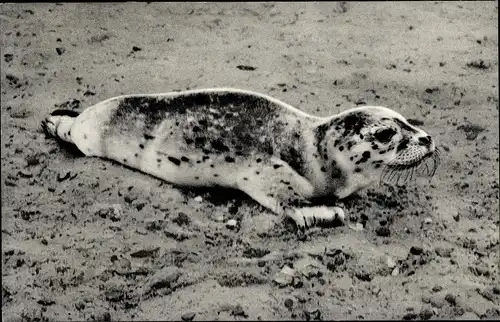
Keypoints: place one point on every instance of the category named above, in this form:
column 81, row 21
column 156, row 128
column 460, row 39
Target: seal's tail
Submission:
column 58, row 124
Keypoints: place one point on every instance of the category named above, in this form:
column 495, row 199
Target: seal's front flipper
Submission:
column 276, row 186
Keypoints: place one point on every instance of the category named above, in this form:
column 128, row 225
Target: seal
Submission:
column 275, row 153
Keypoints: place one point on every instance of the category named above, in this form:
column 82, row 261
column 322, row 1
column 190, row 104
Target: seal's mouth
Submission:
column 399, row 172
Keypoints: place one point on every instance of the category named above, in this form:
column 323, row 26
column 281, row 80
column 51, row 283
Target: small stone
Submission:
column 359, row 226
column 238, row 311
column 289, row 303
column 437, row 302
column 285, row 276
column 189, row 316
column 198, row 199
column 145, row 253
column 383, row 231
column 25, row 174
column 60, row 50
column 182, row 219
column 437, row 288
column 410, row 316
column 390, row 262
column 61, row 176
column 231, row 224
column 165, row 277
column 444, row 252
column 395, row 271
column 44, row 241
column 428, row 220
column 425, row 314
column 135, row 48
column 450, row 298
column 80, row 305
column 219, row 217
column 416, row 250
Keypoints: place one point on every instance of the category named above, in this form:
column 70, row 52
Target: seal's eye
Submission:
column 385, row 135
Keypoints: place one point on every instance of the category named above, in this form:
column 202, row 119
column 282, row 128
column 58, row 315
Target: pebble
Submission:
column 425, row 314
column 189, row 316
column 395, row 271
column 437, row 288
column 231, row 224
column 219, row 217
column 238, row 311
column 444, row 252
column 410, row 316
column 145, row 253
column 198, row 199
column 416, row 250
column 288, row 303
column 285, row 276
column 450, row 298
column 383, row 231
column 165, row 277
column 428, row 220
column 437, row 302
column 25, row 174
column 390, row 262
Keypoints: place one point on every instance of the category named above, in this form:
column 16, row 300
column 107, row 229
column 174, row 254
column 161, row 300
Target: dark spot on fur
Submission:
column 377, row 166
column 203, row 122
column 337, row 142
column 136, row 155
column 229, row 159
column 341, row 148
column 85, row 136
column 351, row 158
column 323, row 169
column 403, row 144
column 141, row 146
column 184, row 159
column 382, row 152
column 125, row 160
column 374, row 146
column 205, row 158
column 405, row 126
column 257, row 172
column 212, row 166
column 219, row 145
column 174, row 160
column 196, row 129
column 350, row 144
column 357, row 169
column 148, row 137
column 200, row 141
column 276, row 166
column 259, row 160
column 365, row 156
column 196, row 178
column 198, row 161
column 158, row 160
column 361, row 137
column 216, row 175
column 188, row 140
column 245, row 178
column 290, row 188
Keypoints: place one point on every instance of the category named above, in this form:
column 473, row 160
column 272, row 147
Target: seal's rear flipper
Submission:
column 58, row 125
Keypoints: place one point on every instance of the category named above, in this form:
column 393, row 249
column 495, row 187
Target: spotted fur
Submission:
column 275, row 153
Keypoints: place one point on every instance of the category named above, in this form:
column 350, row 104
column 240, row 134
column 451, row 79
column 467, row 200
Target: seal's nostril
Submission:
column 425, row 140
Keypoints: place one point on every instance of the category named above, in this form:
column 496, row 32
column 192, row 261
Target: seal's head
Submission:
column 376, row 143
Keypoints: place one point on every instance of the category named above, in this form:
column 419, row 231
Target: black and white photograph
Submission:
column 249, row 161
